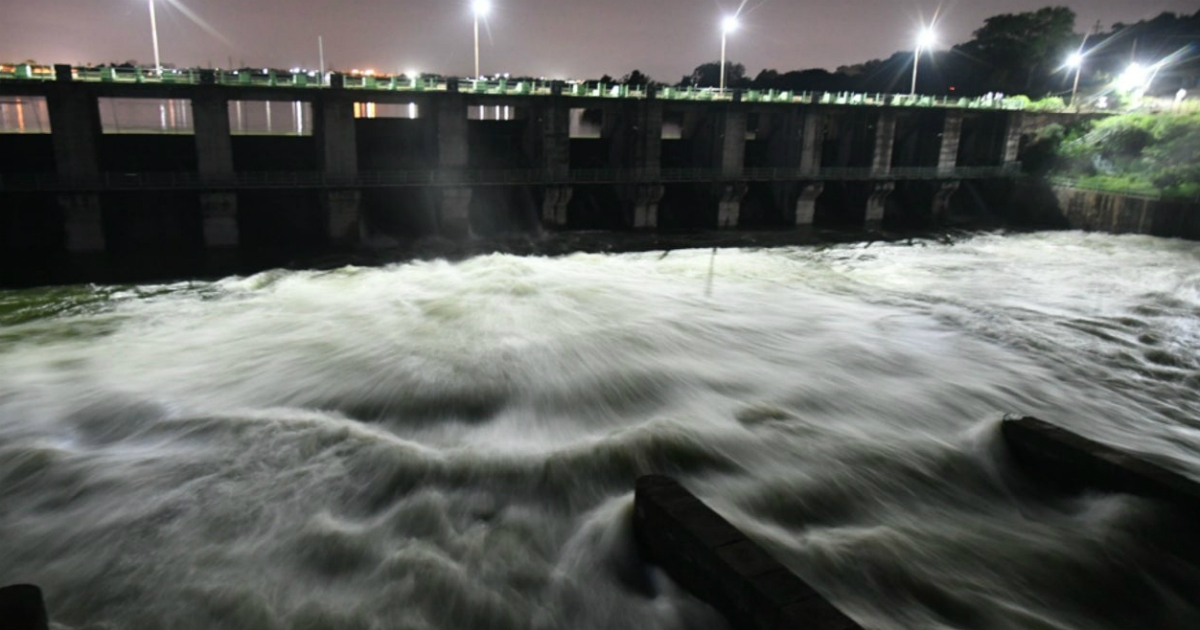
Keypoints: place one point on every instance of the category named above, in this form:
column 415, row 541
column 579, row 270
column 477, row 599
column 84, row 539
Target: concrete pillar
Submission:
column 451, row 120
column 555, row 146
column 555, row 200
column 813, row 139
column 454, row 212
column 336, row 138
column 343, row 209
column 338, row 151
column 729, row 205
column 951, row 138
column 454, row 219
column 877, row 204
column 885, row 139
column 786, row 140
column 647, row 141
column 645, row 206
column 1014, row 126
column 214, row 161
column 636, row 131
column 730, row 139
column 214, row 147
column 806, row 205
column 75, row 136
column 220, row 219
column 75, row 130
column 941, row 199
column 83, row 222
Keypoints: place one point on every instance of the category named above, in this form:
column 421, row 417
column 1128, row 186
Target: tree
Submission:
column 709, row 75
column 636, row 78
column 1021, row 50
column 766, row 79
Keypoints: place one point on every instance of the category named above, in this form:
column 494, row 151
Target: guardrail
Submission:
column 433, row 177
column 1127, row 190
column 504, row 87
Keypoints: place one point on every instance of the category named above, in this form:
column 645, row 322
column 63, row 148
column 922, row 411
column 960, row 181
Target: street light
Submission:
column 926, row 39
column 154, row 37
column 728, row 25
column 1075, row 61
column 1135, row 77
column 480, row 8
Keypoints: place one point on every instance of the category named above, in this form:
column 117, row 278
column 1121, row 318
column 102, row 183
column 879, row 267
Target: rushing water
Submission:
column 438, row 445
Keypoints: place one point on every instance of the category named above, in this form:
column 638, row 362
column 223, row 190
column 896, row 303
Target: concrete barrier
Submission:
column 1058, row 457
column 22, row 608
column 714, row 561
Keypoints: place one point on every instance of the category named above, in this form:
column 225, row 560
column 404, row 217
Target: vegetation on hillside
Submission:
column 1138, row 153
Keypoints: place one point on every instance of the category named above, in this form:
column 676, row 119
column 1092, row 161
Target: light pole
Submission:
column 1075, row 61
column 154, row 37
column 728, row 25
column 480, row 8
column 925, row 40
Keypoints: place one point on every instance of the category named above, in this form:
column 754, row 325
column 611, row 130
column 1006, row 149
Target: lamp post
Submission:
column 925, row 40
column 728, row 25
column 480, row 8
column 1075, row 61
column 154, row 37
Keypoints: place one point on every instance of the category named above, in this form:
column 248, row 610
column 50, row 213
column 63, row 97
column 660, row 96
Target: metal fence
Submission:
column 442, row 177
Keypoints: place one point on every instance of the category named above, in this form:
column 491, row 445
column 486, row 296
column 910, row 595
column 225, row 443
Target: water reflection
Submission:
column 24, row 114
column 276, row 118
column 146, row 115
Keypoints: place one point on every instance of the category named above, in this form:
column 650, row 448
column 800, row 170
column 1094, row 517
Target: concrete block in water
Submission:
column 22, row 608
column 1058, row 457
column 714, row 561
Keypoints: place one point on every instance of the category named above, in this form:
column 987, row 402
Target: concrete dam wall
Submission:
column 201, row 190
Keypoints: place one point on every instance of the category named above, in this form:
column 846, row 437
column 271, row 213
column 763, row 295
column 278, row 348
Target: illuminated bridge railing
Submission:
column 398, row 179
column 270, row 78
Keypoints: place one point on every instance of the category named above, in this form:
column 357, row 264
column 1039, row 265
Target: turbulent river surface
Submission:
column 454, row 445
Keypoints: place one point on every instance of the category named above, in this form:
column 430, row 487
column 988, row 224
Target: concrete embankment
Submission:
column 1055, row 457
column 22, row 608
column 1051, row 205
column 709, row 557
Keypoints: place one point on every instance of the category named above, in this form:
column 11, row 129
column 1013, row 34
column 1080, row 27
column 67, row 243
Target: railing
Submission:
column 502, row 87
column 386, row 179
column 1126, row 190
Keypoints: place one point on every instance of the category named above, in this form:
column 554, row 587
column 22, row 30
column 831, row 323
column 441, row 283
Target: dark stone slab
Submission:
column 714, row 561
column 1055, row 456
column 22, row 608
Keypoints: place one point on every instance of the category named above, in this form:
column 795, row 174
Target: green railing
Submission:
column 503, row 87
column 432, row 177
column 1126, row 190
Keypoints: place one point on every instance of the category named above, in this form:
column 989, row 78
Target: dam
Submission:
column 369, row 160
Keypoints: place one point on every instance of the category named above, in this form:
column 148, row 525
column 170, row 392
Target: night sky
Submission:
column 555, row 38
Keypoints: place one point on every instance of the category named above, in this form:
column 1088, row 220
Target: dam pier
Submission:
column 366, row 161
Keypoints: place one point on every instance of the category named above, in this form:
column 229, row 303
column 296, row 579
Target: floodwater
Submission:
column 454, row 445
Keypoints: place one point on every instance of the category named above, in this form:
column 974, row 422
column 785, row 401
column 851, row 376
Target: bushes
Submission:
column 1138, row 153
column 1048, row 104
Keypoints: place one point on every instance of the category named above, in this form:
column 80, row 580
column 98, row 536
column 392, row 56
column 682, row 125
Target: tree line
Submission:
column 1012, row 53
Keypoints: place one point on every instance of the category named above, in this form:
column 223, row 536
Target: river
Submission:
column 454, row 445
